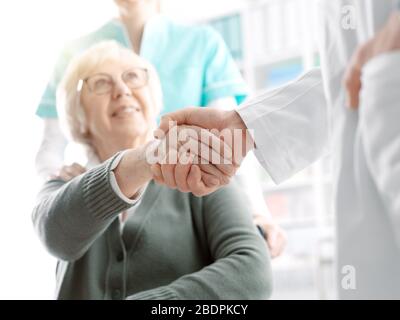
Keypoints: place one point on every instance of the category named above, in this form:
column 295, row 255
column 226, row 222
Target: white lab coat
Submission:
column 294, row 125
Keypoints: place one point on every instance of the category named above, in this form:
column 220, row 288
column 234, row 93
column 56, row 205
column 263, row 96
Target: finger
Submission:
column 168, row 173
column 218, row 147
column 181, row 173
column 74, row 171
column 178, row 117
column 171, row 139
column 207, row 156
column 282, row 241
column 64, row 175
column 271, row 241
column 204, row 151
column 157, row 174
column 210, row 181
column 78, row 168
column 195, row 183
column 53, row 176
column 213, row 171
column 276, row 241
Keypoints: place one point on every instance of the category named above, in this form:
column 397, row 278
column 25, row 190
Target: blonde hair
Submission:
column 70, row 111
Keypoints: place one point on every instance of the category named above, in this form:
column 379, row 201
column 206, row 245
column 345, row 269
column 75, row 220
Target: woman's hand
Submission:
column 69, row 172
column 185, row 157
column 200, row 179
column 274, row 234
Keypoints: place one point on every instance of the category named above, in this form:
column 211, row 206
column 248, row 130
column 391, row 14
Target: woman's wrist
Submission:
column 133, row 172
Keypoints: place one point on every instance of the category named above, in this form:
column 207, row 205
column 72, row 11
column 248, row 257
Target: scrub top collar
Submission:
column 154, row 37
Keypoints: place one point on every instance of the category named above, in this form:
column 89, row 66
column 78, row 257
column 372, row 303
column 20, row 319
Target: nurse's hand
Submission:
column 69, row 172
column 386, row 40
column 274, row 235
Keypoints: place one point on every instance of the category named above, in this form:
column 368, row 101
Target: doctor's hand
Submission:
column 197, row 178
column 183, row 157
column 386, row 40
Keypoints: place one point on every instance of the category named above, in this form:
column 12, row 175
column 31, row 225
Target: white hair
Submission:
column 70, row 111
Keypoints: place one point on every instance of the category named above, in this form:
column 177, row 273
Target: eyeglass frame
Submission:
column 82, row 81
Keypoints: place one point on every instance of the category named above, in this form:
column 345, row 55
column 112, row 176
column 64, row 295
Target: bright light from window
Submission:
column 32, row 33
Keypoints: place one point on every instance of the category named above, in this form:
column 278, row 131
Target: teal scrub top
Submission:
column 193, row 63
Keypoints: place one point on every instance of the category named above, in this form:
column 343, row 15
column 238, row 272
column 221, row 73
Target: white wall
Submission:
column 31, row 34
column 198, row 10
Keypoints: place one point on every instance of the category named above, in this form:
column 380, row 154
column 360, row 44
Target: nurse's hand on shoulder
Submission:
column 218, row 156
column 386, row 40
column 69, row 172
column 274, row 235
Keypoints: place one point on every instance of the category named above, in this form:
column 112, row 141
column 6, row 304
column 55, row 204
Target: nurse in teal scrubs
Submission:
column 193, row 63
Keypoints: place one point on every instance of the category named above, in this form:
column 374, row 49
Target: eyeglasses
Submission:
column 103, row 83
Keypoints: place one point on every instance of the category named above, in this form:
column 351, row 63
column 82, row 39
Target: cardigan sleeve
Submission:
column 68, row 217
column 241, row 267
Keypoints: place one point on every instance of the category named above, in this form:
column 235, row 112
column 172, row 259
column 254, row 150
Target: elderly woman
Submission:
column 117, row 234
column 195, row 68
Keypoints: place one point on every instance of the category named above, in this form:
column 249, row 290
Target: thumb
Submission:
column 164, row 126
column 175, row 118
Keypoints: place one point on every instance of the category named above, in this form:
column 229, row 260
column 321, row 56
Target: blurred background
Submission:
column 272, row 41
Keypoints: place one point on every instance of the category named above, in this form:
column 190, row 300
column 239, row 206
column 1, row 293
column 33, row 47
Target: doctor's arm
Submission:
column 289, row 126
column 372, row 79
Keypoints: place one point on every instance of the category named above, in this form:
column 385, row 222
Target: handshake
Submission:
column 198, row 149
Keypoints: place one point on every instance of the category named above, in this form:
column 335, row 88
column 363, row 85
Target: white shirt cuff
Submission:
column 114, row 183
column 288, row 125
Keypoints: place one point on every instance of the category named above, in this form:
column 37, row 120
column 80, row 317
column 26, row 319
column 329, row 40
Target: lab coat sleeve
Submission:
column 289, row 125
column 380, row 129
column 69, row 217
column 247, row 176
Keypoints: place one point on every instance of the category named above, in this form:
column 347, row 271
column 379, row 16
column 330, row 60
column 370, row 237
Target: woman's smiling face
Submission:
column 116, row 99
